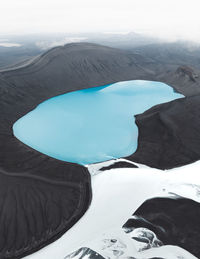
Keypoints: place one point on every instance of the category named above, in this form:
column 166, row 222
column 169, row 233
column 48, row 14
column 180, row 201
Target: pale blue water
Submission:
column 91, row 125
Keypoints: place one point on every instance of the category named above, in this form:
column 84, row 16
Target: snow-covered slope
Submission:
column 117, row 194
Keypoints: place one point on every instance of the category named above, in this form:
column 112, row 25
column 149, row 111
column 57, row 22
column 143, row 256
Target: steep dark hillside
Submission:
column 42, row 197
column 184, row 79
column 168, row 59
column 64, row 69
column 75, row 66
column 82, row 65
column 175, row 221
column 175, row 53
column 35, row 186
column 169, row 134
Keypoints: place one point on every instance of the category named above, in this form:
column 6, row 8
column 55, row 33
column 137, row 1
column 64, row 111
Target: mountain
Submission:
column 43, row 197
column 169, row 134
column 78, row 65
column 64, row 69
column 183, row 78
column 83, row 65
column 175, row 221
column 168, row 59
column 31, row 180
column 16, row 49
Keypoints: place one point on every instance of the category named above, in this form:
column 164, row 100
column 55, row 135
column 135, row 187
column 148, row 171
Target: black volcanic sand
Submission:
column 120, row 164
column 42, row 197
column 169, row 134
column 174, row 221
column 85, row 252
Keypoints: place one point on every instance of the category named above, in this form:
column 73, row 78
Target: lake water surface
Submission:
column 91, row 125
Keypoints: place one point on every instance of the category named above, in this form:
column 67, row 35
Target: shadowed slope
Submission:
column 174, row 221
column 36, row 210
column 43, row 197
column 76, row 66
column 169, row 134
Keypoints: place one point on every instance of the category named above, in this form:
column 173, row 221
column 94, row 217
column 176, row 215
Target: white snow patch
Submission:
column 117, row 194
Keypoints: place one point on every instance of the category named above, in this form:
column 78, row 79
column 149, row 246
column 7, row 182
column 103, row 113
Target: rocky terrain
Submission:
column 84, row 253
column 64, row 69
column 174, row 221
column 164, row 225
column 169, row 134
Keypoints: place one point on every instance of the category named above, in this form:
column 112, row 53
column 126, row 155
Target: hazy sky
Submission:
column 165, row 18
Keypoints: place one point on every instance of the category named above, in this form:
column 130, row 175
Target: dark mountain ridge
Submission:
column 24, row 170
column 35, row 178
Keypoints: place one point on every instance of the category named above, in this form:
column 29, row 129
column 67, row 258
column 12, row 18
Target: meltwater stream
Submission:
column 91, row 125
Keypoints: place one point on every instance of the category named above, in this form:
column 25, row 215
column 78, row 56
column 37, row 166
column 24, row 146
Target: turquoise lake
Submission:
column 91, row 125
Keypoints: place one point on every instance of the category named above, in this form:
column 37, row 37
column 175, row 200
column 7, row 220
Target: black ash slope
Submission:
column 175, row 221
column 169, row 134
column 42, row 197
column 84, row 252
column 176, row 64
column 77, row 66
column 120, row 164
